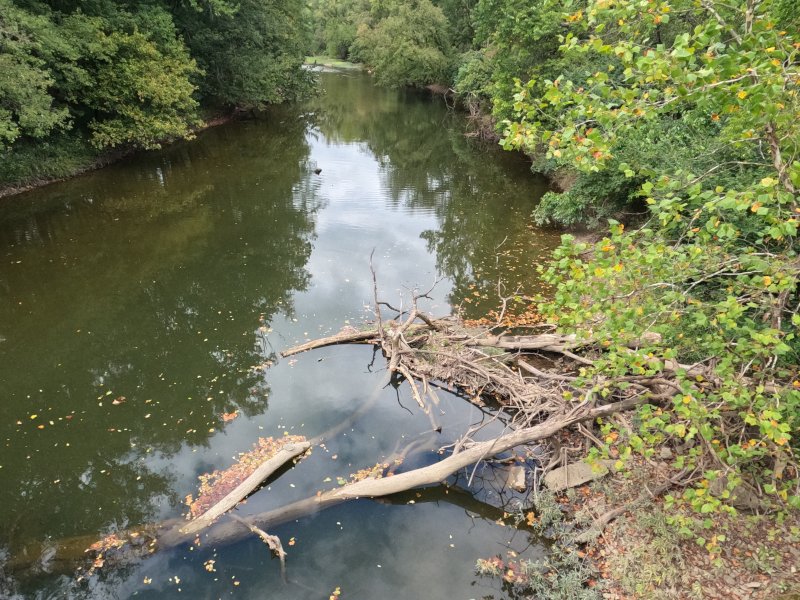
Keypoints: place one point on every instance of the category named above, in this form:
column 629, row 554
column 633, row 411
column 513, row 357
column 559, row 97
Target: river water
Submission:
column 142, row 302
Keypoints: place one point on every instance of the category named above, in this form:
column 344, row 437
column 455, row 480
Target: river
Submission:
column 142, row 302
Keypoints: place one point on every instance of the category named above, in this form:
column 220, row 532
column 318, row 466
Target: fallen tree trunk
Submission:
column 547, row 342
column 244, row 489
column 171, row 533
column 146, row 540
column 227, row 532
column 442, row 470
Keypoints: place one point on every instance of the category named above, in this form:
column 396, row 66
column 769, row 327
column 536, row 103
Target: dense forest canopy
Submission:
column 76, row 77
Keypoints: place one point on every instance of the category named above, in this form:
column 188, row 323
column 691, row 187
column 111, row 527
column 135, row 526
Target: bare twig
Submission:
column 273, row 541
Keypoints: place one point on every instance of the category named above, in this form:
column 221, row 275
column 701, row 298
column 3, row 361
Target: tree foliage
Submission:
column 131, row 87
column 714, row 270
column 26, row 106
column 336, row 25
column 135, row 74
column 404, row 43
column 407, row 43
column 250, row 55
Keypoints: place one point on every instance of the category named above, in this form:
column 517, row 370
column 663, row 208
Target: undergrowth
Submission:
column 55, row 157
column 564, row 574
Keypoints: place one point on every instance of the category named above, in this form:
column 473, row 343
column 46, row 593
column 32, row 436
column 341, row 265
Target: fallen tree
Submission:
column 371, row 487
column 483, row 365
column 533, row 380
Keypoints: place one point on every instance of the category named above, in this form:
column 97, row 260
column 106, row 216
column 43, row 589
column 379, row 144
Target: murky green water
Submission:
column 140, row 303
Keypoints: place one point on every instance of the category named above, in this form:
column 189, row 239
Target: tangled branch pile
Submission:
column 558, row 380
column 489, row 366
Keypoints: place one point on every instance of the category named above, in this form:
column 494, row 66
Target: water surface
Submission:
column 140, row 303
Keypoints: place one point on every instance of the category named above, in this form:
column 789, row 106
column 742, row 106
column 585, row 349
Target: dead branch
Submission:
column 547, row 342
column 599, row 525
column 272, row 541
column 526, row 366
column 284, row 455
column 224, row 533
column 375, row 297
column 343, row 337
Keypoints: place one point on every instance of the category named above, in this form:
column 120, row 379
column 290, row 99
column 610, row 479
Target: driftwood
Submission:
column 244, row 489
column 226, row 532
column 343, row 337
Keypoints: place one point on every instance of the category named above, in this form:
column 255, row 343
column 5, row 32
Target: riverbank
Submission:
column 332, row 63
column 647, row 552
column 50, row 162
column 618, row 539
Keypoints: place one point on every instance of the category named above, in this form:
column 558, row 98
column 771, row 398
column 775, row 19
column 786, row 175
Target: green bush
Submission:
column 714, row 269
column 407, row 44
column 473, row 79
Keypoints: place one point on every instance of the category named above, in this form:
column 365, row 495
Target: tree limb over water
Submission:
column 246, row 487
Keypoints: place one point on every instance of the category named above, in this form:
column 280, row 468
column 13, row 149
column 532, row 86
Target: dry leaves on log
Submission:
column 216, row 485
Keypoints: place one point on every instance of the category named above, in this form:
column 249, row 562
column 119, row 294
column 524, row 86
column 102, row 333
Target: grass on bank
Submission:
column 331, row 63
column 31, row 163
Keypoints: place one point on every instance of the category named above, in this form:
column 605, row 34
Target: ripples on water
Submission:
column 162, row 282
